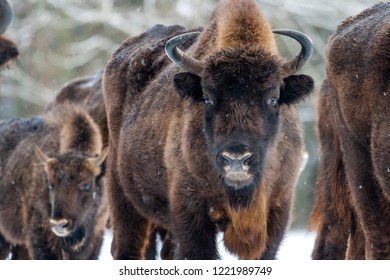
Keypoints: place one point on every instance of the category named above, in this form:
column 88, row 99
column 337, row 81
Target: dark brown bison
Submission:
column 8, row 49
column 87, row 93
column 332, row 214
column 13, row 131
column 51, row 204
column 358, row 69
column 216, row 147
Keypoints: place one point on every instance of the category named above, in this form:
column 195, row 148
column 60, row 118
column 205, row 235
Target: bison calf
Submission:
column 52, row 202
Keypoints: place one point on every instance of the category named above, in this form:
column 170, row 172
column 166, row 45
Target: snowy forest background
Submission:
column 60, row 40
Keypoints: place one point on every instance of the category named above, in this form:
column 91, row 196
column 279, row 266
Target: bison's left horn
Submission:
column 100, row 159
column 187, row 62
column 41, row 156
column 307, row 48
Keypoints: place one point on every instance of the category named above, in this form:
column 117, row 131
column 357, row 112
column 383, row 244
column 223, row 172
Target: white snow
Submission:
column 297, row 245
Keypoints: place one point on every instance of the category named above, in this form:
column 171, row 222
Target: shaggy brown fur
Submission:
column 86, row 92
column 8, row 49
column 165, row 145
column 331, row 214
column 241, row 25
column 50, row 201
column 358, row 69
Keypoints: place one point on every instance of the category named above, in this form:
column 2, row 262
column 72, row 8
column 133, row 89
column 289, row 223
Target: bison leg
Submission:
column 371, row 205
column 5, row 248
column 380, row 146
column 13, row 252
column 151, row 250
column 331, row 214
column 168, row 247
column 331, row 240
column 356, row 242
column 96, row 243
column 130, row 230
column 194, row 232
column 19, row 252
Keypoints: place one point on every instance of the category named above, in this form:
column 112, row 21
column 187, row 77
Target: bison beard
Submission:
column 170, row 131
column 242, row 197
column 75, row 241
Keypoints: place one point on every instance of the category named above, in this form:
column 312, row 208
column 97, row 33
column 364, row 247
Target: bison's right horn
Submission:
column 6, row 15
column 41, row 156
column 187, row 62
column 307, row 48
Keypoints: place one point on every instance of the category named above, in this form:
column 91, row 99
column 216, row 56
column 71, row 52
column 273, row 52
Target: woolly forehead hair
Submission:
column 242, row 25
column 78, row 131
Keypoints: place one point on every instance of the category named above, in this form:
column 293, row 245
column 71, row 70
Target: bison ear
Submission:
column 295, row 89
column 188, row 86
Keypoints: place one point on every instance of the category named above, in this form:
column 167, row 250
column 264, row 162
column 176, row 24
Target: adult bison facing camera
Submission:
column 217, row 147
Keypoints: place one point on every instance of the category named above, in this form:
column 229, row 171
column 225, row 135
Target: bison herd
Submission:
column 190, row 132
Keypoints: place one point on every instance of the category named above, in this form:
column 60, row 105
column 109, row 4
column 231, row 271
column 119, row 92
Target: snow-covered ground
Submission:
column 297, row 245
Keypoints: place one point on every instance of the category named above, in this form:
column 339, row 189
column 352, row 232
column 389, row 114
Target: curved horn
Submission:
column 99, row 160
column 41, row 156
column 295, row 64
column 6, row 15
column 187, row 62
column 94, row 163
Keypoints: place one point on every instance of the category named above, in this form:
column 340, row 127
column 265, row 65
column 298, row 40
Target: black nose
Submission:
column 233, row 162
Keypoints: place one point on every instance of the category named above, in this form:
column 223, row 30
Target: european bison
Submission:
column 50, row 202
column 87, row 92
column 13, row 131
column 216, row 147
column 331, row 215
column 8, row 49
column 358, row 69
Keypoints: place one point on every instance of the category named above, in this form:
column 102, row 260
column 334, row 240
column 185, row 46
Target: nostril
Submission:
column 65, row 224
column 247, row 159
column 225, row 160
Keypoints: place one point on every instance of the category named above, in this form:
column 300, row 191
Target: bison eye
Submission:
column 273, row 101
column 207, row 100
column 85, row 187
